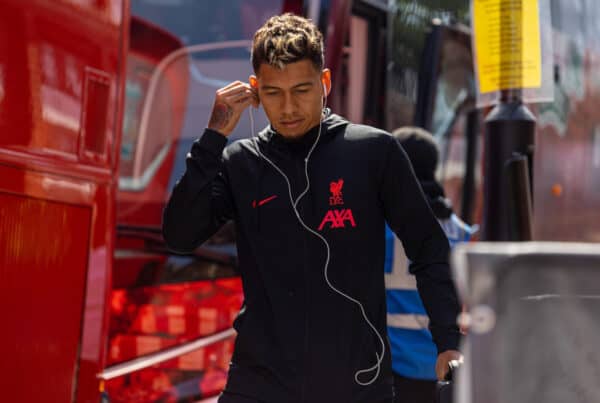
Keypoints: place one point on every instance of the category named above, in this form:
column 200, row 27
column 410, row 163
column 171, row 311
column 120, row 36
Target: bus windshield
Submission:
column 162, row 120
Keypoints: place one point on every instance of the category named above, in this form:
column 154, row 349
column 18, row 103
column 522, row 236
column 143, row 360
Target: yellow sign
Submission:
column 507, row 44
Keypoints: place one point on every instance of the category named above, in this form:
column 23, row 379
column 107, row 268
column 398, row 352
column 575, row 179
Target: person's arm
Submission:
column 409, row 216
column 201, row 201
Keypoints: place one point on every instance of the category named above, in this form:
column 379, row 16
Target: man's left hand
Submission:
column 441, row 366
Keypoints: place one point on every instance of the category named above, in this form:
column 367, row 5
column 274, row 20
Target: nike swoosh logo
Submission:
column 264, row 201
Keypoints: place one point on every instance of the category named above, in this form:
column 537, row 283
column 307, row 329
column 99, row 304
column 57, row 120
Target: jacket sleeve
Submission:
column 409, row 216
column 201, row 201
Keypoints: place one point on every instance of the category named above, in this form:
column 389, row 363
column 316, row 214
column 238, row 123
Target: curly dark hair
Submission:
column 286, row 39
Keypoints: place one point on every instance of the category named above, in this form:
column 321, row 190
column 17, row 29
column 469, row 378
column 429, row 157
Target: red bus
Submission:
column 62, row 82
column 99, row 103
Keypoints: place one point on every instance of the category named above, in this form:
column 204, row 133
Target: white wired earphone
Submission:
column 294, row 204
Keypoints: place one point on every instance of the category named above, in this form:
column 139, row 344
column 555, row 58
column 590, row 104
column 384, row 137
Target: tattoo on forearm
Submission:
column 220, row 116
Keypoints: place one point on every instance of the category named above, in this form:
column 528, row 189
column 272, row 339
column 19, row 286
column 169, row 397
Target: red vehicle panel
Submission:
column 44, row 340
column 61, row 80
column 151, row 127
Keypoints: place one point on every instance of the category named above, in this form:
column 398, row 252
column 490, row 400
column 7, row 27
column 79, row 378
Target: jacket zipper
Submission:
column 303, row 397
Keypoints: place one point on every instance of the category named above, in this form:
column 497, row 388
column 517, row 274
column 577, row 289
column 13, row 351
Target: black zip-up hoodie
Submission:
column 298, row 340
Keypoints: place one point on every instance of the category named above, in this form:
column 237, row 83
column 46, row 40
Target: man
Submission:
column 413, row 351
column 309, row 196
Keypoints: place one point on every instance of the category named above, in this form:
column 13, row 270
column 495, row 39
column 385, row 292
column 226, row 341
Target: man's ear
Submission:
column 326, row 81
column 253, row 82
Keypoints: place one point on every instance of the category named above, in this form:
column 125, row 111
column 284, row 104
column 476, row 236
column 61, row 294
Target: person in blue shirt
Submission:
column 413, row 352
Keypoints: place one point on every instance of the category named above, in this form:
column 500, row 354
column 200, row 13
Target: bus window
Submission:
column 138, row 77
column 446, row 108
column 454, row 97
column 455, row 83
column 360, row 83
column 143, row 152
column 212, row 67
column 152, row 143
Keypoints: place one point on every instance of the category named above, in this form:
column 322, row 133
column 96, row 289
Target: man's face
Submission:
column 293, row 97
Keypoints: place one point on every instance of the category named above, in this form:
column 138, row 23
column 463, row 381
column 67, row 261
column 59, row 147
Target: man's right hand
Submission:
column 230, row 102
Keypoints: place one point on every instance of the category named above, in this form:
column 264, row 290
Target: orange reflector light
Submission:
column 557, row 190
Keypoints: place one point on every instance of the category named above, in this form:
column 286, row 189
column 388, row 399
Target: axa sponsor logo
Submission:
column 339, row 217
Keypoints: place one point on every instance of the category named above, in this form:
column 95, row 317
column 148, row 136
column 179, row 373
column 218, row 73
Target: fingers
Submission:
column 237, row 95
column 230, row 102
column 247, row 101
column 233, row 88
column 441, row 365
column 230, row 85
column 441, row 373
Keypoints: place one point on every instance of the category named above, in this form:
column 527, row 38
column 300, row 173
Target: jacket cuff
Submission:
column 446, row 338
column 213, row 142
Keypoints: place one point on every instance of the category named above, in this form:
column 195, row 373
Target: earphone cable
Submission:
column 294, row 204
